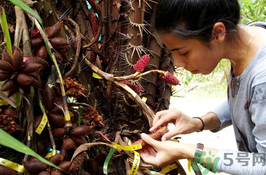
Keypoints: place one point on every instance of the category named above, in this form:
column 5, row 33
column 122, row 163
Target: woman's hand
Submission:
column 183, row 123
column 164, row 153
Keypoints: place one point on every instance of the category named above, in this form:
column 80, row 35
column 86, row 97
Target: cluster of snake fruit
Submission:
column 19, row 74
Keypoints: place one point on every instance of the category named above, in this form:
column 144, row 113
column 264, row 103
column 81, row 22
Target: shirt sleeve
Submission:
column 257, row 109
column 239, row 163
column 223, row 114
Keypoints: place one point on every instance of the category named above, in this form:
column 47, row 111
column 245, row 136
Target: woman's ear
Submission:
column 218, row 32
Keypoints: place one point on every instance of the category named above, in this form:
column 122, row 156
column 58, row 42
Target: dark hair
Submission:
column 195, row 18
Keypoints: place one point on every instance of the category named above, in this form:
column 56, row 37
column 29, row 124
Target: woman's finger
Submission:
column 157, row 117
column 150, row 141
column 145, row 155
column 163, row 119
column 167, row 136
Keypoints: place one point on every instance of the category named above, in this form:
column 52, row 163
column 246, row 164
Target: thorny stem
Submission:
column 146, row 110
column 110, row 77
column 137, row 75
column 107, row 76
column 96, row 37
column 75, row 64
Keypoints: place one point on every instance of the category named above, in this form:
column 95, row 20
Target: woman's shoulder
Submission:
column 257, row 68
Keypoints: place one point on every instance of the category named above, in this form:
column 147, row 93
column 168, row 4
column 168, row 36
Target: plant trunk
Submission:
column 126, row 34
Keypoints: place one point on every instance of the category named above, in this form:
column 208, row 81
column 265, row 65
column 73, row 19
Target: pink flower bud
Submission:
column 142, row 63
column 134, row 87
column 169, row 78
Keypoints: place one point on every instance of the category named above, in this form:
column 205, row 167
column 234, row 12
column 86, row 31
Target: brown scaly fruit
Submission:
column 34, row 166
column 6, row 170
column 52, row 103
column 17, row 71
column 156, row 135
column 59, row 43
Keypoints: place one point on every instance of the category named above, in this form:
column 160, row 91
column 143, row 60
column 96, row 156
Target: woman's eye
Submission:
column 183, row 54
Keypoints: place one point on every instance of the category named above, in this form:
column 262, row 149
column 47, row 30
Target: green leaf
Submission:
column 11, row 142
column 26, row 8
column 210, row 153
column 4, row 27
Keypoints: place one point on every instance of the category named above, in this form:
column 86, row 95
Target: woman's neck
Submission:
column 241, row 52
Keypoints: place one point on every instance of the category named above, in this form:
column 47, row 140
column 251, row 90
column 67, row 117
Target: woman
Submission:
column 199, row 33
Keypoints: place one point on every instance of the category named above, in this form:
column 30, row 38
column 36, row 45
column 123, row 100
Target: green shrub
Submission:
column 251, row 10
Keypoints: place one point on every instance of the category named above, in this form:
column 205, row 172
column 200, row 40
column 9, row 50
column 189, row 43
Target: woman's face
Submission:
column 192, row 54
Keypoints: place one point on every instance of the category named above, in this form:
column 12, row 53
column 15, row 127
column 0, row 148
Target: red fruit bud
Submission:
column 94, row 23
column 36, row 32
column 134, row 87
column 93, row 57
column 169, row 78
column 142, row 63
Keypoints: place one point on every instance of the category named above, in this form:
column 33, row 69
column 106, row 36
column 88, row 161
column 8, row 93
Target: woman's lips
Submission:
column 194, row 71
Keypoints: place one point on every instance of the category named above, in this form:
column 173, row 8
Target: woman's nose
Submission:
column 179, row 62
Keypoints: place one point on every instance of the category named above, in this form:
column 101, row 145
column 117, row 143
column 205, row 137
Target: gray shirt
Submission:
column 246, row 111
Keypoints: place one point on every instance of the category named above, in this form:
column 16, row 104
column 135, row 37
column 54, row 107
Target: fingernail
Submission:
column 151, row 129
column 164, row 139
column 143, row 135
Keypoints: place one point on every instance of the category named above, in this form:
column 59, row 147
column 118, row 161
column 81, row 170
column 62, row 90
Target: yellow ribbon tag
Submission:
column 51, row 153
column 3, row 102
column 67, row 117
column 12, row 165
column 48, row 155
column 168, row 168
column 50, row 85
column 29, row 138
column 189, row 163
column 144, row 99
column 42, row 124
column 129, row 147
column 94, row 75
column 136, row 163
